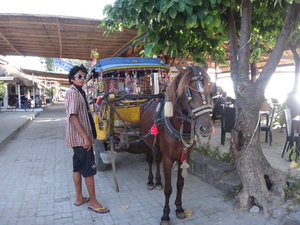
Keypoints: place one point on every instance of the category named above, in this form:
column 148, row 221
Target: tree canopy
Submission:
column 195, row 27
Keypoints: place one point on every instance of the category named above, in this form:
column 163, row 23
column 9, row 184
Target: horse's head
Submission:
column 189, row 92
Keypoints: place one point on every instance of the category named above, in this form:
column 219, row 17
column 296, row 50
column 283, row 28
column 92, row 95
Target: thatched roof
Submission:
column 58, row 37
column 10, row 71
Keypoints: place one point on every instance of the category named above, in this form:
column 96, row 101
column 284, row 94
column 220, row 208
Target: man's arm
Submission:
column 75, row 121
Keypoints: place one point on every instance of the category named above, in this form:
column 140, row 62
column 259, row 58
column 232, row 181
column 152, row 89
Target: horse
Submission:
column 176, row 135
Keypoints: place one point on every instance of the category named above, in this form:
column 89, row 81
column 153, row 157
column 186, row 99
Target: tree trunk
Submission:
column 262, row 184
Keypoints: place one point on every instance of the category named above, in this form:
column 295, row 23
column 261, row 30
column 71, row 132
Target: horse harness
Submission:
column 187, row 139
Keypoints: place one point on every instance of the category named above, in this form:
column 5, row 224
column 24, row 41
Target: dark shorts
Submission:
column 84, row 161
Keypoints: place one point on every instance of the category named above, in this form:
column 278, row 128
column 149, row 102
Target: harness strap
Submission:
column 192, row 135
column 201, row 108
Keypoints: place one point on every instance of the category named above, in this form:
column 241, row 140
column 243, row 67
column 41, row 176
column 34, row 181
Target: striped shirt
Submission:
column 75, row 104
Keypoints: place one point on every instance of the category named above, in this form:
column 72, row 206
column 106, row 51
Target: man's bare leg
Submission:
column 78, row 188
column 90, row 185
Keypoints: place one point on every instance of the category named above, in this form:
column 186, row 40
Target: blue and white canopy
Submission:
column 119, row 63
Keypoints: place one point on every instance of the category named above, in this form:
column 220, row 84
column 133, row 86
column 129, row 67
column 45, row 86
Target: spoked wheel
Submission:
column 98, row 148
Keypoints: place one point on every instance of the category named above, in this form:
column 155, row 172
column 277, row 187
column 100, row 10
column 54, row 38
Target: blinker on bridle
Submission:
column 199, row 89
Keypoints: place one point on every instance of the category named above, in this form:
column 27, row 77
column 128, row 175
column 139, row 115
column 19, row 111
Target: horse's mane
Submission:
column 178, row 85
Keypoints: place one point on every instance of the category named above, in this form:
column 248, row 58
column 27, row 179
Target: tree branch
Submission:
column 244, row 52
column 233, row 47
column 274, row 59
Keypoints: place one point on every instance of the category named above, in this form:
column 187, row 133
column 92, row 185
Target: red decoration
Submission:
column 99, row 100
column 182, row 156
column 154, row 130
column 213, row 130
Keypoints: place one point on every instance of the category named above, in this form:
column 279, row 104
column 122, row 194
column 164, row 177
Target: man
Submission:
column 79, row 136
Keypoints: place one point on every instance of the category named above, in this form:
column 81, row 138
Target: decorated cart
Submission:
column 116, row 89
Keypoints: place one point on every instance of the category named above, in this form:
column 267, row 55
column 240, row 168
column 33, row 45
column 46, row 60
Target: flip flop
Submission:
column 101, row 210
column 86, row 199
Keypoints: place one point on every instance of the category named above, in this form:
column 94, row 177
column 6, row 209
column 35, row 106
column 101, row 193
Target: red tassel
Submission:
column 154, row 130
column 213, row 130
column 182, row 156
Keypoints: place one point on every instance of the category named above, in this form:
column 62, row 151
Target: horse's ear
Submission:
column 179, row 68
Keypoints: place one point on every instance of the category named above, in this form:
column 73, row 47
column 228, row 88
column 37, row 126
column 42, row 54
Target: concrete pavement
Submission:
column 36, row 184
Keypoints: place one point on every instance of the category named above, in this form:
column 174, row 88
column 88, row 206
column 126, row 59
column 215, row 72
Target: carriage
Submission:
column 116, row 89
column 137, row 105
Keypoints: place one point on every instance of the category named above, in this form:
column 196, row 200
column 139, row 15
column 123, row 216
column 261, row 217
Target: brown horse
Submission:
column 176, row 134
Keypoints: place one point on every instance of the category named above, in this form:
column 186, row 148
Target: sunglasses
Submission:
column 79, row 76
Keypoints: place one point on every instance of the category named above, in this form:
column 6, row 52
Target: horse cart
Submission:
column 116, row 89
column 135, row 106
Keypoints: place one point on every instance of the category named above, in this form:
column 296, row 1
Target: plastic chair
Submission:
column 288, row 124
column 290, row 138
column 227, row 122
column 268, row 126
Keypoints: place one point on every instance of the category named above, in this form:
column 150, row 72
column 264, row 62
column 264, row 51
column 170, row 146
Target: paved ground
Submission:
column 36, row 183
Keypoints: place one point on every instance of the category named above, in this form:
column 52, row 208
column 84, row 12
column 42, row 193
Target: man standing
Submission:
column 79, row 136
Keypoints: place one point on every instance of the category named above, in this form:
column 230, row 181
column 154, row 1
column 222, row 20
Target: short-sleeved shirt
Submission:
column 75, row 104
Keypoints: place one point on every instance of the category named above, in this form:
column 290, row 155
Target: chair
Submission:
column 267, row 127
column 227, row 122
column 290, row 137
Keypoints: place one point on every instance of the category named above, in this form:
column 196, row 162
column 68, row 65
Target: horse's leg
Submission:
column 167, row 163
column 150, row 184
column 178, row 202
column 158, row 184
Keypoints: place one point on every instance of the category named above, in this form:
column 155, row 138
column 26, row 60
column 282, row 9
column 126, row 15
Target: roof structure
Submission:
column 59, row 37
column 8, row 71
column 61, row 78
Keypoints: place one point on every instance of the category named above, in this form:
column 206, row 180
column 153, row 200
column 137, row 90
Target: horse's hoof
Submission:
column 180, row 215
column 158, row 187
column 150, row 186
column 165, row 222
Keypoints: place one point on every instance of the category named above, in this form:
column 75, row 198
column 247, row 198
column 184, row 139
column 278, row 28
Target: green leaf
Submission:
column 149, row 7
column 293, row 156
column 153, row 36
column 213, row 2
column 208, row 20
column 173, row 13
column 148, row 49
column 226, row 3
column 191, row 2
column 140, row 31
column 297, row 1
column 217, row 21
column 181, row 6
column 191, row 21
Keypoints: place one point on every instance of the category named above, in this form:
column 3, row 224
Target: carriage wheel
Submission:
column 98, row 148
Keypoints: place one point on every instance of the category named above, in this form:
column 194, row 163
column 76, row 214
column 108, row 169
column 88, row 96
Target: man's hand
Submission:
column 87, row 144
column 75, row 120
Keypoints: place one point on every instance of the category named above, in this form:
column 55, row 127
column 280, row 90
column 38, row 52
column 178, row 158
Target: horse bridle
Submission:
column 192, row 113
column 206, row 107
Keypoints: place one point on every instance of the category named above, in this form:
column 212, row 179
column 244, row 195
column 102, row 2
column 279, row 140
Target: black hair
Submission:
column 74, row 70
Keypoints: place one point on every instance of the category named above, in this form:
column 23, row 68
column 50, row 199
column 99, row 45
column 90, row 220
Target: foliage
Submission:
column 48, row 63
column 194, row 27
column 279, row 119
column 50, row 91
column 293, row 190
column 2, row 89
column 215, row 152
column 173, row 26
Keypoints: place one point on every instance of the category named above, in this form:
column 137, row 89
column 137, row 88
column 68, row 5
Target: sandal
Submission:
column 86, row 199
column 101, row 210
